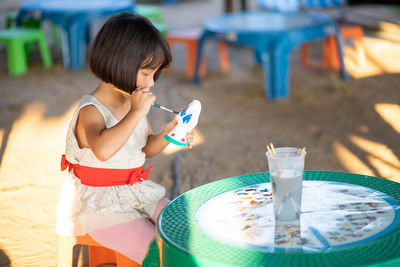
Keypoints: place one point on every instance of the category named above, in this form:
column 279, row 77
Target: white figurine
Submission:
column 187, row 120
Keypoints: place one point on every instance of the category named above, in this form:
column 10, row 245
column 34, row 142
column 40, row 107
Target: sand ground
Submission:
column 349, row 126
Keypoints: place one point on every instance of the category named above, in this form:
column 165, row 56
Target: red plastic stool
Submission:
column 190, row 38
column 331, row 56
column 97, row 253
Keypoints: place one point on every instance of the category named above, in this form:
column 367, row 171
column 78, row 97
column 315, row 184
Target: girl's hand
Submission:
column 141, row 100
column 190, row 138
column 170, row 125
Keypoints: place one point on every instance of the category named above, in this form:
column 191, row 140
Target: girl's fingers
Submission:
column 142, row 99
column 189, row 143
column 143, row 90
column 190, row 134
column 190, row 138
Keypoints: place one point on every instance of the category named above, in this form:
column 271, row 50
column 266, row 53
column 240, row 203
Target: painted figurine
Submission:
column 187, row 120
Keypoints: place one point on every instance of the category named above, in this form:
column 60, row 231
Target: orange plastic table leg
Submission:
column 191, row 60
column 330, row 50
column 223, row 56
column 190, row 39
column 305, row 53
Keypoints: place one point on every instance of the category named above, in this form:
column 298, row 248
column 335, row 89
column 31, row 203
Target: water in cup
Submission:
column 286, row 194
column 286, row 166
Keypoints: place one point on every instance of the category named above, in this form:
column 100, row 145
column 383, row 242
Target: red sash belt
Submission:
column 91, row 176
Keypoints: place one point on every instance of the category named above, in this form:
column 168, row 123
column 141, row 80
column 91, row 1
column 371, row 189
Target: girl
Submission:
column 107, row 194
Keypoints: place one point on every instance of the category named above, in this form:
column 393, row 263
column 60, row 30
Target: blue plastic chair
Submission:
column 322, row 4
column 168, row 2
column 347, row 31
column 280, row 5
column 295, row 5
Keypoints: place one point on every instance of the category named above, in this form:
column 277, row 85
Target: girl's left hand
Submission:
column 190, row 138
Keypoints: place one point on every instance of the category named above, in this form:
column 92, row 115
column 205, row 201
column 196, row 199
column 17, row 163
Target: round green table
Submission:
column 185, row 238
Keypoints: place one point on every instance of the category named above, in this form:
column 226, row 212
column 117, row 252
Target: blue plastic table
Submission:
column 273, row 36
column 73, row 17
column 346, row 220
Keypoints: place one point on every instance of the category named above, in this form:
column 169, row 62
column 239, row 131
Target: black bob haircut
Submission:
column 126, row 43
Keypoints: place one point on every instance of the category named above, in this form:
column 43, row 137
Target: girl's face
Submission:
column 145, row 78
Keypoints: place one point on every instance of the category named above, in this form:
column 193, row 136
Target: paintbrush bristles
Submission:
column 303, row 151
column 272, row 152
column 272, row 149
column 269, row 150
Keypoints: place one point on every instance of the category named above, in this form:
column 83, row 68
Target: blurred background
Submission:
column 346, row 125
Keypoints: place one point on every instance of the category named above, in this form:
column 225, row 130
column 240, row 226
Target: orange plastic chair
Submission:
column 97, row 253
column 330, row 50
column 190, row 38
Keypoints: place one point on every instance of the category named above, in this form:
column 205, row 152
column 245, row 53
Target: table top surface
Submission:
column 357, row 224
column 75, row 5
column 265, row 22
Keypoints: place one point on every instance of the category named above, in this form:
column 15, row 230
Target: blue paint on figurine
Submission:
column 187, row 118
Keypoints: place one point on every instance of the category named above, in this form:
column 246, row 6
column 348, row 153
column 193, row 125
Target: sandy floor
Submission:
column 349, row 126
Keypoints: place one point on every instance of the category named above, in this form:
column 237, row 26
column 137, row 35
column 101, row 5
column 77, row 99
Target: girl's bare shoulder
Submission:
column 90, row 114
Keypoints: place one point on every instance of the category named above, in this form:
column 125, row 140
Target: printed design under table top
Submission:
column 334, row 216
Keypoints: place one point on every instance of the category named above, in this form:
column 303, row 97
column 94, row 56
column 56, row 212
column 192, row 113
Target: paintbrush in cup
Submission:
column 271, row 151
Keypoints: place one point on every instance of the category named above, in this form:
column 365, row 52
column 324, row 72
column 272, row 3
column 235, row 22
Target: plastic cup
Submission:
column 286, row 170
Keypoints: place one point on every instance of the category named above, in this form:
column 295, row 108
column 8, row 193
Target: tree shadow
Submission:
column 4, row 259
column 14, row 112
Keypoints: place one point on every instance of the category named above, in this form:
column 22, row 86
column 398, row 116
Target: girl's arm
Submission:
column 156, row 143
column 105, row 142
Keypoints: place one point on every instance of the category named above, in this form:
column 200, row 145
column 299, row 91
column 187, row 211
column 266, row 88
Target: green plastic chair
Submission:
column 154, row 14
column 161, row 27
column 16, row 41
column 32, row 23
column 151, row 12
column 28, row 23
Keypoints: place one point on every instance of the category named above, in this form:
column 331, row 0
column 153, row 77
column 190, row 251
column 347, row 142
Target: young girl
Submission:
column 107, row 194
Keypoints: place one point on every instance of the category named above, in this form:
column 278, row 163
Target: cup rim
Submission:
column 286, row 151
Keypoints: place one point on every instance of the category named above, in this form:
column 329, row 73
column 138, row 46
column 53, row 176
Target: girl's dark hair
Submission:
column 125, row 43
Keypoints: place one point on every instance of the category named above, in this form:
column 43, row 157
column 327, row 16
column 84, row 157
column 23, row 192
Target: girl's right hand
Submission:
column 141, row 100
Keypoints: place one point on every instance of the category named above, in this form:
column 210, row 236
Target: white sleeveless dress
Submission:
column 82, row 209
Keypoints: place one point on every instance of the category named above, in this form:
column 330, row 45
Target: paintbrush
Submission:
column 154, row 104
column 164, row 108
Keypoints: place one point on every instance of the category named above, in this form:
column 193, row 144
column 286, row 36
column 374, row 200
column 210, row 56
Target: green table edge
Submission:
column 384, row 251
